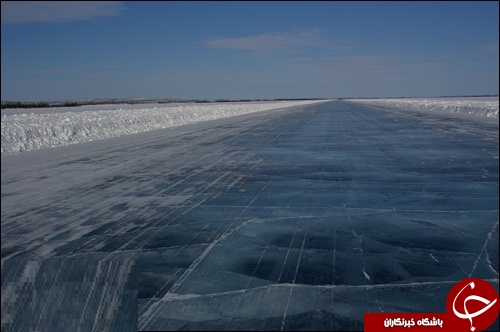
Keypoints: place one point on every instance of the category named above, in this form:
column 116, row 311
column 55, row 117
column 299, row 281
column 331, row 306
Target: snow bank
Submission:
column 479, row 106
column 35, row 131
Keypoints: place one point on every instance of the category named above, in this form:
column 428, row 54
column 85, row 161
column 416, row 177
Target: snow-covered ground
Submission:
column 35, row 129
column 472, row 106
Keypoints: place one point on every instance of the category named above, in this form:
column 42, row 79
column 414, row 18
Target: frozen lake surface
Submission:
column 297, row 219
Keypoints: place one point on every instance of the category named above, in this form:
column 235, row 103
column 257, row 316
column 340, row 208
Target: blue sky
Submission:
column 205, row 50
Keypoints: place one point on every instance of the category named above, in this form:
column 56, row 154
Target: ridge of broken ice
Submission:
column 479, row 106
column 34, row 131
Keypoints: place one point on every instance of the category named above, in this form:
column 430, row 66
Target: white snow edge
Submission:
column 478, row 106
column 51, row 128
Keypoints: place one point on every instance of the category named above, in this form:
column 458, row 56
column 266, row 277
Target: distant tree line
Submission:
column 20, row 104
column 72, row 103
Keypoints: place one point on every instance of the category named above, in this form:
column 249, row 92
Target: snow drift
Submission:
column 479, row 106
column 48, row 128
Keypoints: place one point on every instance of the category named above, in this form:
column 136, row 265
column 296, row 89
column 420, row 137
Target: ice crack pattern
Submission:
column 302, row 219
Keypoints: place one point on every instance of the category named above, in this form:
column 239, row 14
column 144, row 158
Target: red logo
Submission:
column 472, row 305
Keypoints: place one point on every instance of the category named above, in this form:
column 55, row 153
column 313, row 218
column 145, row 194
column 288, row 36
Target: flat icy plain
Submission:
column 296, row 219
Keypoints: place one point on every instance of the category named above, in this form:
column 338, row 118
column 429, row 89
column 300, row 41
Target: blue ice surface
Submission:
column 296, row 220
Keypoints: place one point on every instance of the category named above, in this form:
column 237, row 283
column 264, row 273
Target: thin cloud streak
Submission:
column 403, row 63
column 67, row 70
column 363, row 68
column 272, row 42
column 19, row 12
column 488, row 48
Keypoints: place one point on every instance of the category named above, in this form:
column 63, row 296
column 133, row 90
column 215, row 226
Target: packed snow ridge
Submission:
column 478, row 106
column 46, row 129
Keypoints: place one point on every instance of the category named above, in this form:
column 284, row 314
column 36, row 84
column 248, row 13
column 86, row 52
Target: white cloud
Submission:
column 57, row 11
column 272, row 42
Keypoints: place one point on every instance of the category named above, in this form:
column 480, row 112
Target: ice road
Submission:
column 298, row 219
